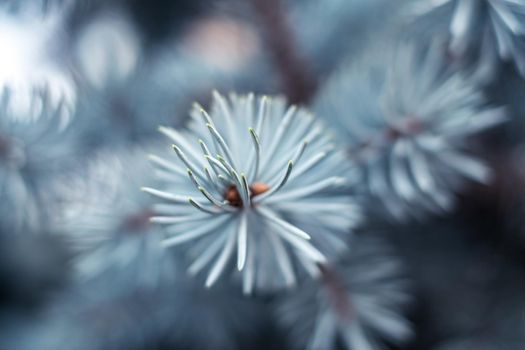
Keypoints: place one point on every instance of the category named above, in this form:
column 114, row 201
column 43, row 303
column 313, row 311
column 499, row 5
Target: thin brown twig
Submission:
column 298, row 81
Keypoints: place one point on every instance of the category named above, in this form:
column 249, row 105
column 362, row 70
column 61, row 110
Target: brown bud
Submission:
column 233, row 196
column 259, row 188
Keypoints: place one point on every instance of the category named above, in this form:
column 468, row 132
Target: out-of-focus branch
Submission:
column 298, row 82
